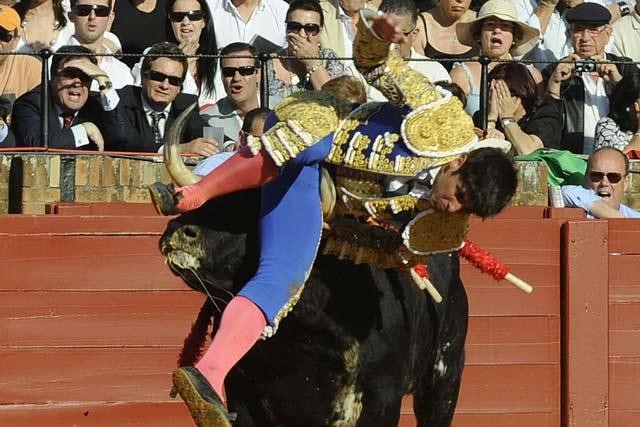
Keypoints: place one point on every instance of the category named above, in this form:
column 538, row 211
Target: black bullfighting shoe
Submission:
column 206, row 407
column 164, row 198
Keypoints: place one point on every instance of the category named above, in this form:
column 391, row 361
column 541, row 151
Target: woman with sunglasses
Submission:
column 621, row 128
column 44, row 25
column 192, row 30
column 302, row 65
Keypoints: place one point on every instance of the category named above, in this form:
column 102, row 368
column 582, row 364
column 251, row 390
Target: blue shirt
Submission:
column 576, row 196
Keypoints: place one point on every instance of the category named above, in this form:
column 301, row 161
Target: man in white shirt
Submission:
column 244, row 20
column 91, row 18
column 583, row 80
column 548, row 16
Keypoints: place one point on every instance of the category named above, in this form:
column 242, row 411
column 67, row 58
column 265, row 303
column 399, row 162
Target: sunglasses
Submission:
column 85, row 10
column 157, row 76
column 245, row 70
column 612, row 177
column 192, row 15
column 6, row 36
column 73, row 73
column 310, row 29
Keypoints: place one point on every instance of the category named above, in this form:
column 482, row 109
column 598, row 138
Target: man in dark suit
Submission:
column 152, row 108
column 78, row 119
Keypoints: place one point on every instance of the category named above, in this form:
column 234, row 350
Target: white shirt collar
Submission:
column 229, row 6
column 148, row 110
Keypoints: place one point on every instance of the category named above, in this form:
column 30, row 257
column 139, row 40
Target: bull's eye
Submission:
column 190, row 231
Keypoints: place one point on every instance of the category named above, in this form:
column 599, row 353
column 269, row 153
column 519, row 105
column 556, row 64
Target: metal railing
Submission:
column 263, row 59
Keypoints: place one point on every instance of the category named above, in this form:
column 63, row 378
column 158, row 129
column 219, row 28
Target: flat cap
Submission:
column 588, row 13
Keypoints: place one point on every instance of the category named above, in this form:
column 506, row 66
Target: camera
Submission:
column 586, row 66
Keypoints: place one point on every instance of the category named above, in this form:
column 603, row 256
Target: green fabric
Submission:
column 565, row 167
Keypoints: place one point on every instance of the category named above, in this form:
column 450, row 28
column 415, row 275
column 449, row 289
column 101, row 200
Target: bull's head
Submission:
column 214, row 248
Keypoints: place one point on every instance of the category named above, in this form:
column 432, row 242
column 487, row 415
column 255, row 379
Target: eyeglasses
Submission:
column 310, row 29
column 592, row 32
column 612, row 177
column 192, row 15
column 157, row 76
column 85, row 10
column 6, row 36
column 245, row 70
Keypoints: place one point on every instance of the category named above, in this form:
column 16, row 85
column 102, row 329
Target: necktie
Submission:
column 155, row 126
column 67, row 120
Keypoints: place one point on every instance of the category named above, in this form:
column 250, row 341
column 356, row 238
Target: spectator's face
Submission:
column 8, row 41
column 70, row 88
column 590, row 40
column 607, row 166
column 496, row 37
column 303, row 24
column 448, row 193
column 162, row 82
column 241, row 78
column 454, row 9
column 187, row 20
column 409, row 29
column 91, row 18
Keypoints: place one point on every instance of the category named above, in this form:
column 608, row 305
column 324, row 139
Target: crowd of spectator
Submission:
column 561, row 72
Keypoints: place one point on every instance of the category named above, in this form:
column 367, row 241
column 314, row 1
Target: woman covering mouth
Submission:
column 498, row 33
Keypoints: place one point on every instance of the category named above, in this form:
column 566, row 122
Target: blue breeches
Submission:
column 290, row 231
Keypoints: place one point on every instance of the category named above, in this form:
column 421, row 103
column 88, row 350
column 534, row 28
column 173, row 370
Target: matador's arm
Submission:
column 385, row 69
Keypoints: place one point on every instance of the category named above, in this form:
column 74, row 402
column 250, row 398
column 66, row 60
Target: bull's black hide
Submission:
column 359, row 339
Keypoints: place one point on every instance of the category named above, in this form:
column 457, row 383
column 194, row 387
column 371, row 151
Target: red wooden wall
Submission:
column 92, row 321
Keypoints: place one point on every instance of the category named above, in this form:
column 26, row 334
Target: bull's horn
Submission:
column 178, row 171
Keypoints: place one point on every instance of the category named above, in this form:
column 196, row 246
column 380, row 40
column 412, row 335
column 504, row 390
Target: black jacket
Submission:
column 573, row 96
column 138, row 137
column 25, row 122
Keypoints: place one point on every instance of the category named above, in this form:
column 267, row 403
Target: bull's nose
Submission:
column 190, row 231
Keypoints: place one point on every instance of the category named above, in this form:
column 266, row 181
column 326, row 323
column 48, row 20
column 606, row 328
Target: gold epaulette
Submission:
column 304, row 118
column 432, row 232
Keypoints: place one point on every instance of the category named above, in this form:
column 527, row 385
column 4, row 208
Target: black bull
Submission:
column 359, row 339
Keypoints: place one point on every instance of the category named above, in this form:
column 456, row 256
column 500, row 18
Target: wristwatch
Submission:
column 624, row 8
column 105, row 85
column 504, row 122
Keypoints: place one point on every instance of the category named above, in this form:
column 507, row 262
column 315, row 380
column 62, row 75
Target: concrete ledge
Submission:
column 28, row 181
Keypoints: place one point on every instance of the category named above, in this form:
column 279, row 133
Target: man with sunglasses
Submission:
column 78, row 119
column 91, row 19
column 604, row 186
column 152, row 108
column 241, row 80
column 583, row 81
